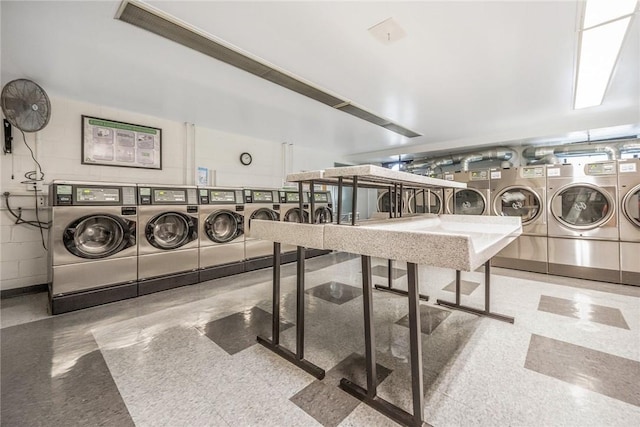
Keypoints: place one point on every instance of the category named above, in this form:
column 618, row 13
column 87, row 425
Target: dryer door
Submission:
column 386, row 204
column 293, row 215
column 431, row 200
column 582, row 206
column 223, row 226
column 468, row 202
column 99, row 236
column 323, row 215
column 518, row 201
column 171, row 230
column 631, row 206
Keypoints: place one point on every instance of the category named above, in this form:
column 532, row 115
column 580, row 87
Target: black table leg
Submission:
column 369, row 395
column 487, row 298
column 390, row 288
column 274, row 344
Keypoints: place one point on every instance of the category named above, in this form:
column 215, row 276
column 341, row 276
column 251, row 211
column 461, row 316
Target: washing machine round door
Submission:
column 323, row 215
column 293, row 215
column 631, row 205
column 468, row 202
column 432, row 200
column 98, row 236
column 582, row 206
column 171, row 230
column 518, row 201
column 386, row 204
column 223, row 226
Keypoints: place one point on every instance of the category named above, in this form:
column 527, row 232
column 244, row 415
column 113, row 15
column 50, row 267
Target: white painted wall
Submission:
column 23, row 261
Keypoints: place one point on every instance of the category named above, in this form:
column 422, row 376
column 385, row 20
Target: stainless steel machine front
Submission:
column 583, row 221
column 473, row 200
column 259, row 204
column 323, row 207
column 221, row 234
column 92, row 244
column 629, row 193
column 521, row 192
column 167, row 237
column 290, row 211
column 387, row 202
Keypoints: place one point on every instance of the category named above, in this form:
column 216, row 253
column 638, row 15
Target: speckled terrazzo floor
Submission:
column 165, row 359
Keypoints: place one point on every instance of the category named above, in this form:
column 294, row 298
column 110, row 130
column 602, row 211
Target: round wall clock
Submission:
column 246, row 159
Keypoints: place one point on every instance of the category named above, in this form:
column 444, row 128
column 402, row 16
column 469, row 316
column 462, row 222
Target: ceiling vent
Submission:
column 148, row 18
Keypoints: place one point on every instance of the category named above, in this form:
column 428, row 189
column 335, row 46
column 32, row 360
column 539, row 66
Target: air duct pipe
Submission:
column 493, row 154
column 611, row 149
column 436, row 162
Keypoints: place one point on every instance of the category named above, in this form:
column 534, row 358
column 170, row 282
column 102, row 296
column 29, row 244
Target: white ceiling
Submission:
column 466, row 74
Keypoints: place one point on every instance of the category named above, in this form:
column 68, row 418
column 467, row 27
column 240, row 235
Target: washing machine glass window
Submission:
column 582, row 206
column 222, row 226
column 631, row 205
column 169, row 230
column 323, row 215
column 518, row 201
column 97, row 236
column 470, row 202
column 293, row 215
column 264, row 213
column 385, row 203
column 431, row 199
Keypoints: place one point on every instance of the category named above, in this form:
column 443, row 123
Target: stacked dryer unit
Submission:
column 92, row 244
column 221, row 232
column 473, row 200
column 629, row 196
column 167, row 237
column 259, row 204
column 583, row 221
column 521, row 192
column 290, row 212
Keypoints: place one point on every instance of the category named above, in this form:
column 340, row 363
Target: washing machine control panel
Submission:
column 167, row 196
column 90, row 194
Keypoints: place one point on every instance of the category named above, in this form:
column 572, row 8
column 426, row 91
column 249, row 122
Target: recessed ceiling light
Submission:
column 602, row 33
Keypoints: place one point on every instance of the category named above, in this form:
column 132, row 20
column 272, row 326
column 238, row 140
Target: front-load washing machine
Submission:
column 290, row 212
column 259, row 204
column 221, row 232
column 387, row 202
column 322, row 207
column 426, row 201
column 92, row 244
column 521, row 192
column 583, row 222
column 629, row 193
column 167, row 237
column 473, row 200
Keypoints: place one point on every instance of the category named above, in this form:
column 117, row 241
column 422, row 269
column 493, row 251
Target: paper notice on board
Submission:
column 553, row 172
column 627, row 167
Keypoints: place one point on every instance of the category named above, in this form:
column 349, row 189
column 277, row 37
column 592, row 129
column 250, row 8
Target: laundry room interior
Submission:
column 320, row 213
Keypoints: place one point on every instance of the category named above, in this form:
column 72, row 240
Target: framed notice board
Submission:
column 111, row 143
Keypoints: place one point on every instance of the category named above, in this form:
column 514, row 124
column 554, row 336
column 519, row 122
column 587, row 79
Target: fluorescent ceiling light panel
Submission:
column 598, row 54
column 599, row 11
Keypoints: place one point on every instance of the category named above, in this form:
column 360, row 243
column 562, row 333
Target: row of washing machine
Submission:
column 111, row 241
column 579, row 220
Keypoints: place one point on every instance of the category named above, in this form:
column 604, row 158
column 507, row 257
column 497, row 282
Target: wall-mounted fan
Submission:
column 25, row 105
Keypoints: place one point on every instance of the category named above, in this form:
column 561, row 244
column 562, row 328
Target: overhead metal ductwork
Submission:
column 464, row 159
column 148, row 18
column 551, row 153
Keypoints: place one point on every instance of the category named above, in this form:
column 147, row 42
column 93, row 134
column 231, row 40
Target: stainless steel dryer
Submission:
column 583, row 222
column 473, row 200
column 629, row 193
column 290, row 212
column 221, row 232
column 521, row 192
column 259, row 204
column 167, row 237
column 92, row 244
column 323, row 207
column 387, row 201
column 426, row 201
